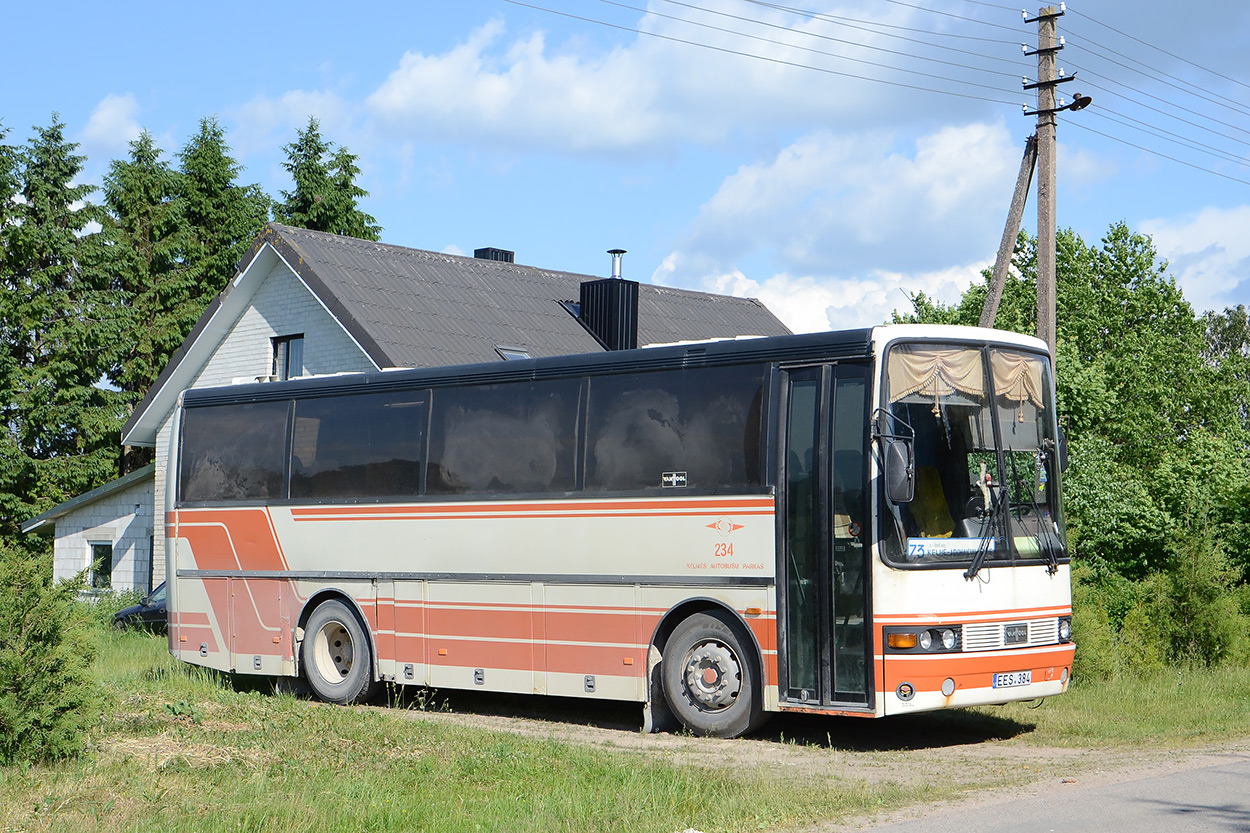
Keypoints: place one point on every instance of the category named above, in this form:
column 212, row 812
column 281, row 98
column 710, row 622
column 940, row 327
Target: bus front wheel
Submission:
column 335, row 655
column 709, row 677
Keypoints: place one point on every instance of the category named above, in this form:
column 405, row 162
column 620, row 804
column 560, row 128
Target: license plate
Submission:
column 1013, row 678
column 1015, row 634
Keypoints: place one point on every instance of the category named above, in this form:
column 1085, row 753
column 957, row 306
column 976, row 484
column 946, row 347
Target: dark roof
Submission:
column 40, row 522
column 414, row 308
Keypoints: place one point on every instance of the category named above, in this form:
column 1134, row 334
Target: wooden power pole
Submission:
column 1047, row 45
column 1007, row 246
column 1039, row 152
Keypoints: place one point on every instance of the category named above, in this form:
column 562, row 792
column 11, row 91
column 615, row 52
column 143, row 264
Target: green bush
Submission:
column 1191, row 614
column 1196, row 607
column 47, row 696
column 1092, row 628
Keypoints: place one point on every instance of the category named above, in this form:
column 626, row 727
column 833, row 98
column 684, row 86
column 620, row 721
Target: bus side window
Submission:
column 503, row 439
column 367, row 445
column 233, row 452
column 702, row 423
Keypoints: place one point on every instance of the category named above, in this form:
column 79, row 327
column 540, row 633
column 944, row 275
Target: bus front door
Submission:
column 823, row 576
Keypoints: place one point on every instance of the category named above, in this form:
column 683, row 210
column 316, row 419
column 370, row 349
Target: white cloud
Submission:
column 809, row 303
column 853, row 204
column 649, row 92
column 113, row 125
column 851, row 226
column 813, row 303
column 1208, row 253
column 524, row 96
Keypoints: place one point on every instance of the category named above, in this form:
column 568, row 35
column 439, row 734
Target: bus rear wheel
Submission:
column 710, row 678
column 335, row 655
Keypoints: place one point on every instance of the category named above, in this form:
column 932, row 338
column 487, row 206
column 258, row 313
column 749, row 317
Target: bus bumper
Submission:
column 942, row 681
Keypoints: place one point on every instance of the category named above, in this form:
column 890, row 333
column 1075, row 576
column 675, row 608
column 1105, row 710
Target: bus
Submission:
column 865, row 522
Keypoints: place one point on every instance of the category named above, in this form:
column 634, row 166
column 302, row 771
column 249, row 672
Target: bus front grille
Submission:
column 992, row 636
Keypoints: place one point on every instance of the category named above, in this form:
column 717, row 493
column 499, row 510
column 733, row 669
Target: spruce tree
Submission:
column 60, row 427
column 326, row 196
column 222, row 216
column 141, row 252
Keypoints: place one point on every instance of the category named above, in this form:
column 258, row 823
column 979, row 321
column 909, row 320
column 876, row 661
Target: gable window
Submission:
column 288, row 357
column 101, row 566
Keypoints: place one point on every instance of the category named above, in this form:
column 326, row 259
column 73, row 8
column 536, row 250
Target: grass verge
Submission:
column 181, row 749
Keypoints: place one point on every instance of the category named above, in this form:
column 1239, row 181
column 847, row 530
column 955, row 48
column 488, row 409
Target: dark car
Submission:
column 149, row 614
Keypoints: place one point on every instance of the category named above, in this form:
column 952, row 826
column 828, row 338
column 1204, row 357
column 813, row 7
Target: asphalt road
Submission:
column 1209, row 794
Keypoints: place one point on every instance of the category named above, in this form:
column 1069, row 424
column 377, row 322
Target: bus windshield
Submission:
column 985, row 453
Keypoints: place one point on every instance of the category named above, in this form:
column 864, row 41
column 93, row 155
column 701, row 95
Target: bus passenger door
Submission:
column 823, row 577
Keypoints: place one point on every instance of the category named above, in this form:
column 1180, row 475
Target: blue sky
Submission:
column 728, row 145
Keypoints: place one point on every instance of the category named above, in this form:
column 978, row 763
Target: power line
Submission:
column 992, row 5
column 1168, row 136
column 1157, row 153
column 1149, row 72
column 740, row 53
column 810, row 49
column 1164, row 51
column 1179, row 118
column 1015, row 64
column 833, row 18
column 951, row 15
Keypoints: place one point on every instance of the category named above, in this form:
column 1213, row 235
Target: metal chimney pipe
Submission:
column 616, row 262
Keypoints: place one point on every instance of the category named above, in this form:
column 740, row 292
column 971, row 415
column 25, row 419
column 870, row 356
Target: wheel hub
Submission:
column 713, row 676
column 334, row 651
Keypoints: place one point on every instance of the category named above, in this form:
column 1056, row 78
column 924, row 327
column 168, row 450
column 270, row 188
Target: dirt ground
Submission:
column 986, row 756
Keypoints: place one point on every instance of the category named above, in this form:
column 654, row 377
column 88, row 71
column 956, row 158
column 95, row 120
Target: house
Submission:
column 310, row 303
column 107, row 531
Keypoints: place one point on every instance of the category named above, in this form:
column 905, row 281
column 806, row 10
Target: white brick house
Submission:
column 309, row 303
column 107, row 531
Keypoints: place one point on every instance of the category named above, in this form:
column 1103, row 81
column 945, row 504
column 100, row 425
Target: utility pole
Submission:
column 1048, row 109
column 1047, row 45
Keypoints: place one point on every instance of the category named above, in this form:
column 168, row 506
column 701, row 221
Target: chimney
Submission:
column 491, row 253
column 609, row 308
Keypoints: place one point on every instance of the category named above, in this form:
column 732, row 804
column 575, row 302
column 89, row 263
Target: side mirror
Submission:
column 900, row 471
column 1063, row 450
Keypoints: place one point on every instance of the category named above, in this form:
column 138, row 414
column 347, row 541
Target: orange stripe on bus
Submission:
column 457, row 509
column 593, row 659
column 927, row 673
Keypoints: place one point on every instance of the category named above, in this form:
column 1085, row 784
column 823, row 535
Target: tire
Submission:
column 711, row 677
column 335, row 655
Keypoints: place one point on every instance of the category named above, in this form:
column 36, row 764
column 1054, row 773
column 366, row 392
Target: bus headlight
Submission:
column 1065, row 628
column 931, row 640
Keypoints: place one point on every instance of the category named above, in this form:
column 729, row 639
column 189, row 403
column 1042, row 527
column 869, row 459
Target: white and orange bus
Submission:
column 864, row 522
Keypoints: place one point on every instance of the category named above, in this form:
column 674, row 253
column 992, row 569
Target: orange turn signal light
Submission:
column 903, row 640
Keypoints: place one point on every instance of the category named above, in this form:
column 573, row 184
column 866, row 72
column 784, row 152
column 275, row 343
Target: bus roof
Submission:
column 843, row 344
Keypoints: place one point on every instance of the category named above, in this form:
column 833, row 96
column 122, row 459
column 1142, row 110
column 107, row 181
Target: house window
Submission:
column 288, row 357
column 101, row 566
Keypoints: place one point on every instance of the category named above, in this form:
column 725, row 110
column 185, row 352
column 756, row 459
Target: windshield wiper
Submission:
column 998, row 513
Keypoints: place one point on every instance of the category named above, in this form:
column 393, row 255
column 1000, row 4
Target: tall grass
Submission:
column 180, row 748
column 1166, row 707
